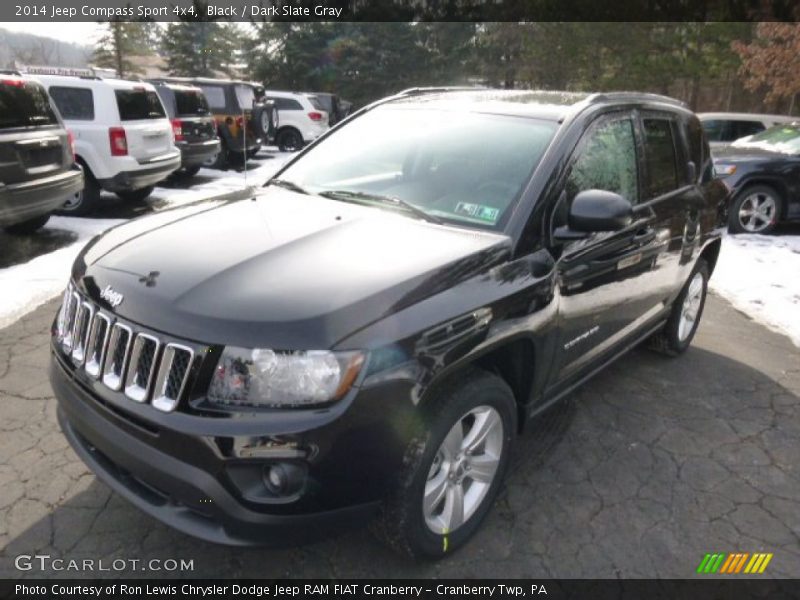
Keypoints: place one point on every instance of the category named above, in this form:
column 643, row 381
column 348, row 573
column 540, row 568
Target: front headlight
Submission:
column 266, row 378
column 723, row 170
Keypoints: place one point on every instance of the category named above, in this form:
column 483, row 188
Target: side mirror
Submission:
column 598, row 210
column 691, row 169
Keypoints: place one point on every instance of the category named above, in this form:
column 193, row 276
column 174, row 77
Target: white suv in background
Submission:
column 301, row 119
column 723, row 128
column 123, row 137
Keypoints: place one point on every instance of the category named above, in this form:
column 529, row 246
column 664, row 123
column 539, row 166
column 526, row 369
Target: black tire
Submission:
column 261, row 122
column 289, row 140
column 669, row 340
column 189, row 171
column 29, row 226
column 401, row 522
column 764, row 193
column 136, row 195
column 84, row 202
column 220, row 161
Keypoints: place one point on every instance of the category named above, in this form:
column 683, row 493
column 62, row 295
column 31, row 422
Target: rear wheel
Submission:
column 755, row 210
column 452, row 470
column 677, row 334
column 136, row 195
column 29, row 226
column 289, row 140
column 85, row 201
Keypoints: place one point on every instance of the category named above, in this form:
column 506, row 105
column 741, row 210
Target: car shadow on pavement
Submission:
column 643, row 469
column 17, row 249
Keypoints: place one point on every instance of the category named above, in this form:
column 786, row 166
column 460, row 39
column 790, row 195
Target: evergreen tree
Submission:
column 201, row 48
column 119, row 43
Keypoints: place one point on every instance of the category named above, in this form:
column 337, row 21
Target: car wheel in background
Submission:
column 136, row 195
column 187, row 172
column 83, row 202
column 755, row 209
column 684, row 318
column 289, row 140
column 452, row 469
column 27, row 227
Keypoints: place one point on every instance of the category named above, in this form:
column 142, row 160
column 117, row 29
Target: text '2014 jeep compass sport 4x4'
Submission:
column 366, row 335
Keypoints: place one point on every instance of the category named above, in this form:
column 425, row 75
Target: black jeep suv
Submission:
column 366, row 335
column 37, row 166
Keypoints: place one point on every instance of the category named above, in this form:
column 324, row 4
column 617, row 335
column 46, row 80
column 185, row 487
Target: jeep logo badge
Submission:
column 113, row 298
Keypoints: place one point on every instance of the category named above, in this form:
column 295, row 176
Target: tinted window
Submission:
column 607, row 161
column 287, row 104
column 215, row 95
column 74, row 103
column 662, row 174
column 742, row 129
column 715, row 130
column 781, row 138
column 137, row 104
column 24, row 104
column 190, row 103
column 468, row 168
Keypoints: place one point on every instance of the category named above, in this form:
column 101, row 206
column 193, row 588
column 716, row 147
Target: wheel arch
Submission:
column 775, row 183
column 711, row 254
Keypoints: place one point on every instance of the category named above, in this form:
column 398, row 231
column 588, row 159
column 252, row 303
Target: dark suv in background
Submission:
column 37, row 165
column 193, row 124
column 367, row 335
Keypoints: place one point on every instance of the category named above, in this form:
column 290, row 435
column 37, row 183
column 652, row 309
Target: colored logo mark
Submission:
column 738, row 562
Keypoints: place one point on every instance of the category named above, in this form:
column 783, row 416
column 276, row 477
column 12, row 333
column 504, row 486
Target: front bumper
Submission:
column 177, row 468
column 194, row 154
column 22, row 201
column 150, row 173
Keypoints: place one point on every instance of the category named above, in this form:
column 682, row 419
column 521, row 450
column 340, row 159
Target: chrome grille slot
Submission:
column 119, row 345
column 172, row 376
column 69, row 320
column 141, row 367
column 61, row 322
column 83, row 321
column 96, row 346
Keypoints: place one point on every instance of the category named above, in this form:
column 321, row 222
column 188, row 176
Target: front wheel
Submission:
column 453, row 470
column 85, row 201
column 289, row 140
column 684, row 319
column 755, row 210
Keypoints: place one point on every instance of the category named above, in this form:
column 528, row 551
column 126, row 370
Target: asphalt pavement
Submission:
column 651, row 465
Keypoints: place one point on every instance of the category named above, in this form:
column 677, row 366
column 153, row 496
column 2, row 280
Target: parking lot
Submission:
column 643, row 471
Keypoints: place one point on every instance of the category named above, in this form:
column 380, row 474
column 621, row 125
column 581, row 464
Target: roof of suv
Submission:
column 737, row 116
column 543, row 104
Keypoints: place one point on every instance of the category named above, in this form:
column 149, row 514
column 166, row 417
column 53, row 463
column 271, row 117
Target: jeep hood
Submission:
column 278, row 269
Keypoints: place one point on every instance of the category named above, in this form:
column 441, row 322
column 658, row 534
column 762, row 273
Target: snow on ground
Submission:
column 760, row 275
column 28, row 285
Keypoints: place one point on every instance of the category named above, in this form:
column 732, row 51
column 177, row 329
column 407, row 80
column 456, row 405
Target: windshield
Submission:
column 24, row 104
column 464, row 167
column 138, row 103
column 781, row 138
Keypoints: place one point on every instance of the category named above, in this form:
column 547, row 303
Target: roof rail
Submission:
column 83, row 72
column 633, row 96
column 10, row 72
column 418, row 91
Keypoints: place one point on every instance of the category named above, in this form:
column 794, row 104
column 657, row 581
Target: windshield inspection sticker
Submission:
column 478, row 211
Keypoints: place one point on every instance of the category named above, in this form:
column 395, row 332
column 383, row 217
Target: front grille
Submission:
column 124, row 358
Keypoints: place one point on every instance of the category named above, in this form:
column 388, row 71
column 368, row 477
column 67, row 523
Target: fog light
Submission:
column 283, row 479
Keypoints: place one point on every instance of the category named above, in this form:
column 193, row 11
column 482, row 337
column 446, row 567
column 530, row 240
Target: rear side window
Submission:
column 245, row 96
column 315, row 102
column 662, row 173
column 742, row 129
column 190, row 103
column 715, row 130
column 24, row 104
column 287, row 104
column 74, row 103
column 215, row 95
column 138, row 104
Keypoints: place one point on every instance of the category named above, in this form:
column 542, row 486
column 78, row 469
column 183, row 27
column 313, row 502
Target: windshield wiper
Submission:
column 393, row 200
column 289, row 185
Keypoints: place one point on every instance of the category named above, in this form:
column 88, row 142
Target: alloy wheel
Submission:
column 463, row 469
column 691, row 307
column 757, row 212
